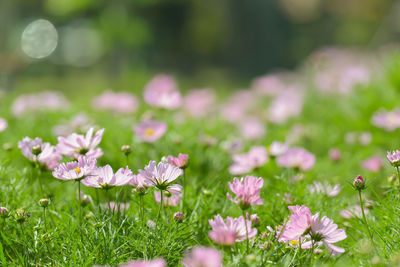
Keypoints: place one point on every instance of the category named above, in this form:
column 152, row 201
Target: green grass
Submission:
column 104, row 238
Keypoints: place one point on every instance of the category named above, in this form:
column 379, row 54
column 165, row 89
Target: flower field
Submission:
column 298, row 169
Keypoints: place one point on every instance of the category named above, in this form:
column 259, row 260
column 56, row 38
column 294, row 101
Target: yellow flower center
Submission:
column 149, row 132
column 294, row 242
column 78, row 170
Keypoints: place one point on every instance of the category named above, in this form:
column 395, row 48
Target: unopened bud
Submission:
column 359, row 183
column 44, row 202
column 178, row 217
column 126, row 149
column 21, row 216
column 4, row 213
column 255, row 220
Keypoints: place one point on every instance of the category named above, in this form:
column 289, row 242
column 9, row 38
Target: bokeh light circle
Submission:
column 39, row 39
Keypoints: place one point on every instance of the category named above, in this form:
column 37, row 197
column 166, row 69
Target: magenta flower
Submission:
column 247, row 191
column 325, row 188
column 359, row 183
column 181, row 161
column 142, row 263
column 234, row 230
column 161, row 175
column 203, row 257
column 76, row 145
column 104, row 177
column 297, row 158
column 40, row 153
column 172, row 197
column 75, row 170
column 372, row 164
column 199, row 102
column 277, row 149
column 244, row 163
column 394, row 158
column 3, row 124
column 388, row 120
column 150, row 130
column 118, row 102
column 162, row 92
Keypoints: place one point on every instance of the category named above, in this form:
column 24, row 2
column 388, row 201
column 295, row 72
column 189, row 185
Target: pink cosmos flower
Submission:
column 46, row 100
column 76, row 145
column 268, row 85
column 199, row 102
column 252, row 128
column 79, row 123
column 118, row 102
column 238, row 104
column 75, row 170
column 203, row 257
column 3, row 124
column 297, row 158
column 117, row 206
column 161, row 175
column 325, row 231
column 234, row 230
column 150, row 130
column 394, row 158
column 353, row 212
column 247, row 191
column 335, row 154
column 142, row 263
column 325, row 188
column 298, row 224
column 104, row 177
column 162, row 92
column 172, row 198
column 287, row 105
column 388, row 120
column 244, row 163
column 277, row 149
column 38, row 152
column 140, row 182
column 372, row 164
column 181, row 161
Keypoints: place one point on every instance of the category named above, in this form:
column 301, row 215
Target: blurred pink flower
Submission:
column 3, row 124
column 298, row 158
column 252, row 128
column 46, row 100
column 325, row 188
column 43, row 154
column 117, row 206
column 162, row 92
column 244, row 163
column 365, row 138
column 238, row 104
column 118, row 102
column 75, row 170
column 233, row 145
column 372, row 164
column 142, row 263
column 203, row 257
column 76, row 145
column 199, row 102
column 181, row 161
column 234, row 230
column 388, row 120
column 394, row 158
column 268, row 85
column 287, row 105
column 150, row 130
column 353, row 211
column 104, row 177
column 79, row 123
column 335, row 154
column 277, row 149
column 160, row 175
column 171, row 198
column 247, row 191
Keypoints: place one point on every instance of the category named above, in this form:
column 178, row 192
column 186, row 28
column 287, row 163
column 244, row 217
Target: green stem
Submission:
column 141, row 209
column 98, row 200
column 44, row 218
column 247, row 231
column 398, row 173
column 80, row 203
column 161, row 205
column 363, row 214
column 184, row 190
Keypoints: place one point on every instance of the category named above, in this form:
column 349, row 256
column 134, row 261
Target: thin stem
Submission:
column 363, row 214
column 398, row 173
column 80, row 203
column 141, row 209
column 184, row 190
column 161, row 205
column 44, row 218
column 38, row 174
column 98, row 200
column 247, row 231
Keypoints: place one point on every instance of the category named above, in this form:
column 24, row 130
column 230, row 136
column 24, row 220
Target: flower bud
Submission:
column 359, row 183
column 178, row 217
column 44, row 202
column 255, row 220
column 4, row 213
column 7, row 146
column 21, row 216
column 36, row 150
column 126, row 149
column 151, row 224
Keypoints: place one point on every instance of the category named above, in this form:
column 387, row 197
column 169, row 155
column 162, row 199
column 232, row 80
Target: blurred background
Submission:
column 233, row 39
